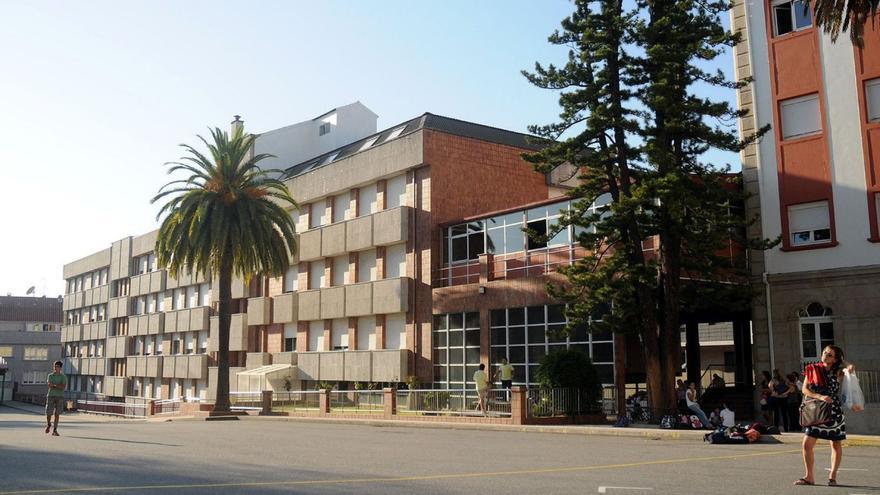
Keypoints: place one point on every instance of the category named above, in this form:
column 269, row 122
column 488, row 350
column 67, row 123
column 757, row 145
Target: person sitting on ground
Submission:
column 727, row 416
column 694, row 406
column 715, row 417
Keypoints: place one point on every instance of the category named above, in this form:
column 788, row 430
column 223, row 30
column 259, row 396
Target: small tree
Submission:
column 570, row 368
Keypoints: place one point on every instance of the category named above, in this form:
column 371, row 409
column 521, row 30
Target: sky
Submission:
column 96, row 96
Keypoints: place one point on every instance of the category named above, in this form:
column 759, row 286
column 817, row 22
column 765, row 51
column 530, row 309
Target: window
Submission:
column 316, row 335
column 341, row 206
column 36, row 353
column 189, row 344
column 816, row 333
column 192, row 297
column 542, row 220
column 33, row 377
column 291, row 278
column 340, row 270
column 395, row 133
column 105, row 273
column 318, row 214
column 466, row 241
column 395, row 261
column 368, row 143
column 324, row 129
column 339, row 335
column 316, row 274
column 809, row 223
column 159, row 344
column 395, row 191
column 395, row 331
column 524, row 335
column 504, row 234
column 295, row 218
column 456, row 339
column 5, row 351
column 367, row 266
column 367, row 202
column 289, row 337
column 178, row 299
column 205, row 294
column 366, row 334
column 872, row 99
column 160, row 302
column 791, row 16
column 203, row 342
column 800, row 116
column 151, row 303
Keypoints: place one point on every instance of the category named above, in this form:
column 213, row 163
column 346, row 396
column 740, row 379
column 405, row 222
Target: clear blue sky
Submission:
column 96, row 95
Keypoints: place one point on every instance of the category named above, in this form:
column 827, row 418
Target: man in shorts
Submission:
column 482, row 383
column 57, row 382
column 505, row 372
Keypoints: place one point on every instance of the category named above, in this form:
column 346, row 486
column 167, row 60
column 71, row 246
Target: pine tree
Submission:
column 633, row 127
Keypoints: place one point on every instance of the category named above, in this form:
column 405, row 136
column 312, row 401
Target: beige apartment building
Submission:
column 402, row 271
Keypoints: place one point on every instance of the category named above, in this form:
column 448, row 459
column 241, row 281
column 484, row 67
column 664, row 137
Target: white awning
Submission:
column 269, row 371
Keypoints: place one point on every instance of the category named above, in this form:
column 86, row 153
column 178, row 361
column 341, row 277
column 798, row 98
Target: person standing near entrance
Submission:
column 57, row 382
column 482, row 383
column 505, row 372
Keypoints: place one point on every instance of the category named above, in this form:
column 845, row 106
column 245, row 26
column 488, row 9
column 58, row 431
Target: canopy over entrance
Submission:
column 270, row 377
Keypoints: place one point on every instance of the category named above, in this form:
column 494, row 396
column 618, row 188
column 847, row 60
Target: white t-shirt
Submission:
column 687, row 397
column 727, row 417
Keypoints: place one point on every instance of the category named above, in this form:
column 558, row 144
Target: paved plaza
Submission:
column 268, row 455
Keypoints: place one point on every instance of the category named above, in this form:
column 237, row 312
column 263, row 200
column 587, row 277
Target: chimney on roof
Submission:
column 237, row 123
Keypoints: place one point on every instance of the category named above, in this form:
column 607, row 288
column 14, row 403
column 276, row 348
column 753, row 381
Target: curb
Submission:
column 629, row 432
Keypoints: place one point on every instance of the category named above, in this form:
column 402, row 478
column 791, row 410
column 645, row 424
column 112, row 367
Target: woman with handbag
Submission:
column 821, row 412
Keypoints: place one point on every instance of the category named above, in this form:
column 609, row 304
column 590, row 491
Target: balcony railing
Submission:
column 532, row 263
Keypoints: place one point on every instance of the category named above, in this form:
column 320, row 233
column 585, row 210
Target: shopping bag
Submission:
column 851, row 392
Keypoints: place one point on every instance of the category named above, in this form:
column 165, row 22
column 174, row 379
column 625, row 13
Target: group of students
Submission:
column 689, row 400
column 781, row 398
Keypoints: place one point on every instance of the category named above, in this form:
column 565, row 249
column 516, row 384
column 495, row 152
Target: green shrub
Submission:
column 570, row 369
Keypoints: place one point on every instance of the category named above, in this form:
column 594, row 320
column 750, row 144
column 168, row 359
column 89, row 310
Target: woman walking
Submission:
column 822, row 382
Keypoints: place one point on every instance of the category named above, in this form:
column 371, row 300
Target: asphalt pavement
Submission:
column 263, row 456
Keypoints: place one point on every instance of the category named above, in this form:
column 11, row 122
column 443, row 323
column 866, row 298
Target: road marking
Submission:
column 604, row 489
column 430, row 477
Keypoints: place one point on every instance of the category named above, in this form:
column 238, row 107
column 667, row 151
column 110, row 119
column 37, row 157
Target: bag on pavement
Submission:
column 851, row 392
column 696, row 423
column 668, row 422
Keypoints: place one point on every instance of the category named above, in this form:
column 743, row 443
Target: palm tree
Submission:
column 226, row 218
column 834, row 16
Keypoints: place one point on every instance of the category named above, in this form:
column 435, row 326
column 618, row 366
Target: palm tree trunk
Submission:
column 221, row 402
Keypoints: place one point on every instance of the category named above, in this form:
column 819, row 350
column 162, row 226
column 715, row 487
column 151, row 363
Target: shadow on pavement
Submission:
column 126, row 441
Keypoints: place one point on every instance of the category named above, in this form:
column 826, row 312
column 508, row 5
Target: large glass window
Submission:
column 525, row 335
column 456, row 349
column 790, row 15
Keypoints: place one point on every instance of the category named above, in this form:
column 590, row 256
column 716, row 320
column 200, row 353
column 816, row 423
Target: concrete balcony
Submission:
column 190, row 367
column 93, row 366
column 366, row 298
column 364, row 366
column 285, row 308
column 71, row 366
column 240, row 290
column 97, row 295
column 146, row 366
column 116, row 347
column 115, row 386
column 188, row 320
column 95, row 330
column 238, row 333
column 379, row 229
column 284, row 358
column 71, row 333
column 150, row 324
column 185, row 279
column 309, row 305
column 78, row 300
column 118, row 307
column 147, row 283
column 259, row 311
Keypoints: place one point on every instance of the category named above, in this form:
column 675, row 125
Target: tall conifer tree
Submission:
column 633, row 126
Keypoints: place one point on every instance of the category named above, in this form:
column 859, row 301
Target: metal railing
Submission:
column 531, row 263
column 243, row 401
column 357, row 401
column 725, row 372
column 452, row 402
column 296, row 401
column 869, row 381
column 544, row 402
column 122, row 409
column 166, row 406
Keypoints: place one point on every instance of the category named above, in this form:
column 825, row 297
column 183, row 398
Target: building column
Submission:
column 742, row 346
column 692, row 335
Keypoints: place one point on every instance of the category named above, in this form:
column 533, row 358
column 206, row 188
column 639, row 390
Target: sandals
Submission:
column 832, row 482
column 803, row 482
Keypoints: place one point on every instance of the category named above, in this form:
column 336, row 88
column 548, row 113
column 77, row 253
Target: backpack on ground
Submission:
column 622, row 421
column 668, row 422
column 696, row 423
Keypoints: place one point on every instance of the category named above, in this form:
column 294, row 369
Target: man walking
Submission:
column 505, row 372
column 482, row 383
column 57, row 382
